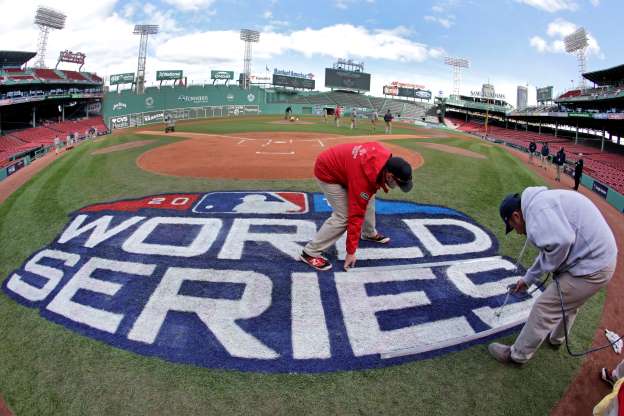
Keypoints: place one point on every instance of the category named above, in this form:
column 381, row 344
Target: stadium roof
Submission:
column 14, row 58
column 606, row 76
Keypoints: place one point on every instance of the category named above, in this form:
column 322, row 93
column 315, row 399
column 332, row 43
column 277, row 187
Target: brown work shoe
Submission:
column 377, row 238
column 501, row 353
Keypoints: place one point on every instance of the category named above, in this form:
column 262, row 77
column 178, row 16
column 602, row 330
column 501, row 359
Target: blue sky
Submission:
column 509, row 42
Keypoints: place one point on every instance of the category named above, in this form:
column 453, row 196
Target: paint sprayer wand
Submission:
column 510, row 287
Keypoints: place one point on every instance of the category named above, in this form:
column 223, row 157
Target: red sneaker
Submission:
column 377, row 238
column 319, row 263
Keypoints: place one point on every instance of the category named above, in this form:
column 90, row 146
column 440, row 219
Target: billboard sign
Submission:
column 168, row 75
column 600, row 189
column 338, row 78
column 544, row 94
column 221, row 74
column 72, row 57
column 390, row 90
column 289, row 73
column 414, row 93
column 127, row 78
column 295, row 82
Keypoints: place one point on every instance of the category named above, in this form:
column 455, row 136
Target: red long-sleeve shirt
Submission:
column 356, row 167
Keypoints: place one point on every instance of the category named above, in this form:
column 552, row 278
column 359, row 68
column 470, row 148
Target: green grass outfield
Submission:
column 46, row 369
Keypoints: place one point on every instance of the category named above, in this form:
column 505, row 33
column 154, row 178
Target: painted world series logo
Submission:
column 214, row 280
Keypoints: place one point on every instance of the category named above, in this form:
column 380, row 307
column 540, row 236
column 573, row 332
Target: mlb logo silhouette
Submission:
column 253, row 203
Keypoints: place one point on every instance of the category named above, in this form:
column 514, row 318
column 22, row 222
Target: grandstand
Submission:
column 39, row 104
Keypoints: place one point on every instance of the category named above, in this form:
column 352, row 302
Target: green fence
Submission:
column 127, row 109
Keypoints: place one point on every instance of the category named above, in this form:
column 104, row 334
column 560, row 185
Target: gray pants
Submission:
column 335, row 226
column 545, row 319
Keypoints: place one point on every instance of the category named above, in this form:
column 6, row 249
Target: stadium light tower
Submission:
column 144, row 31
column 576, row 43
column 249, row 37
column 458, row 64
column 47, row 19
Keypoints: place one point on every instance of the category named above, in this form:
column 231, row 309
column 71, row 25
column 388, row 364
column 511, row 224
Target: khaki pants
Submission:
column 335, row 226
column 545, row 319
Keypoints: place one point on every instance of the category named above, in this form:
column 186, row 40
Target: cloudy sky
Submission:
column 509, row 42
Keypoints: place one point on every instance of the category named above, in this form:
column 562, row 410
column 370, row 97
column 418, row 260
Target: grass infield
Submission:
column 46, row 369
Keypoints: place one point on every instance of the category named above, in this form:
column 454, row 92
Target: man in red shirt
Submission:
column 349, row 175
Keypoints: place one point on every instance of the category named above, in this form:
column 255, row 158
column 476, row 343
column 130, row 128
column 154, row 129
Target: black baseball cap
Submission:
column 402, row 172
column 510, row 204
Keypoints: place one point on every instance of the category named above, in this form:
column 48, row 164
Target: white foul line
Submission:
column 321, row 143
column 275, row 153
column 267, row 143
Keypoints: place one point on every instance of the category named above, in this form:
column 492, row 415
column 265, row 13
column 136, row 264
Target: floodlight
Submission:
column 457, row 62
column 576, row 41
column 145, row 29
column 249, row 35
column 48, row 17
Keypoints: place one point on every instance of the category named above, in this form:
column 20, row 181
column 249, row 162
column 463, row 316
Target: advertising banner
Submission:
column 338, row 78
column 216, row 74
column 544, row 94
column 390, row 90
column 584, row 115
column 295, row 82
column 616, row 116
column 119, row 122
column 600, row 189
column 127, row 78
column 169, row 75
column 10, row 170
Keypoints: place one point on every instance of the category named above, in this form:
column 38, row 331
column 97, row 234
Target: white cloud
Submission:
column 190, row 5
column 345, row 4
column 559, row 29
column 442, row 21
column 595, row 3
column 538, row 43
column 551, row 6
column 267, row 14
column 356, row 42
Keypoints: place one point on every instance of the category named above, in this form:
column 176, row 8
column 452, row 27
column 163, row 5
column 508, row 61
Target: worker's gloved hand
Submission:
column 520, row 287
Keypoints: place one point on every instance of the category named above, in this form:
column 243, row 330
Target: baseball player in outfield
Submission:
column 353, row 119
column 388, row 120
column 349, row 175
column 374, row 118
column 337, row 115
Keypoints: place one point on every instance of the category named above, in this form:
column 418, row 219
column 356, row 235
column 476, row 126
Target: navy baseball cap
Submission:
column 402, row 172
column 510, row 204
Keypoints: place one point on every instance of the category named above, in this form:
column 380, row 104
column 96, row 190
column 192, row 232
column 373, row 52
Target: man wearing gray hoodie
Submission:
column 575, row 244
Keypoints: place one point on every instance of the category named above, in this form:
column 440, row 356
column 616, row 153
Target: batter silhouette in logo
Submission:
column 257, row 203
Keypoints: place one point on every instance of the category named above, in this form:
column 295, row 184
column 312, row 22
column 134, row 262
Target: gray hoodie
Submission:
column 569, row 231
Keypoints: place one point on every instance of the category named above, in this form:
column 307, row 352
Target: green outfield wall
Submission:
column 126, row 109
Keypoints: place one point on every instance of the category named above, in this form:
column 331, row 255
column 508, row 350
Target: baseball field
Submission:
column 103, row 313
